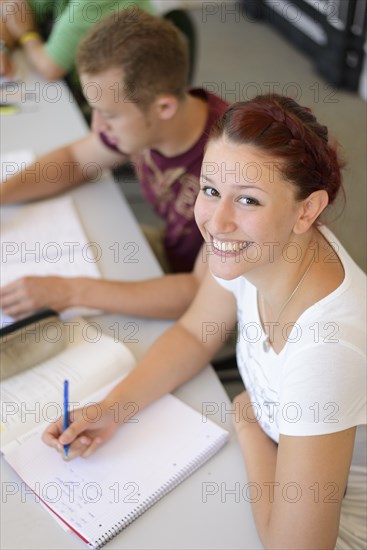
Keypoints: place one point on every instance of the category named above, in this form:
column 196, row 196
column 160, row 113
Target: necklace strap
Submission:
column 291, row 295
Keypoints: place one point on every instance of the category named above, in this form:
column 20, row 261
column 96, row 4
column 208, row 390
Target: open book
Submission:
column 90, row 361
column 147, row 457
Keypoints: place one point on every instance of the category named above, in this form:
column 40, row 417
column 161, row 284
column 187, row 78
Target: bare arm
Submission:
column 69, row 163
column 18, row 19
column 165, row 297
column 6, row 68
column 297, row 487
column 175, row 358
column 5, row 34
column 37, row 55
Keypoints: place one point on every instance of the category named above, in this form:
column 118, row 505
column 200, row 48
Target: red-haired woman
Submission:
column 268, row 174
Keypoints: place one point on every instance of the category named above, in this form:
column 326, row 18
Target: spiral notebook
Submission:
column 148, row 457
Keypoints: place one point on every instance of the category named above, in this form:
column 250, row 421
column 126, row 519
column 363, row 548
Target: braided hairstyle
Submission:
column 290, row 133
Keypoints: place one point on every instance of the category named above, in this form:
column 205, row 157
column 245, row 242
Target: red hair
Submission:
column 279, row 126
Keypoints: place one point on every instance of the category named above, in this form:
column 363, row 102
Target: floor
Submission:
column 237, row 59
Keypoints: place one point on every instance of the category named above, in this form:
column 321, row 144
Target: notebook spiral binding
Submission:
column 175, row 480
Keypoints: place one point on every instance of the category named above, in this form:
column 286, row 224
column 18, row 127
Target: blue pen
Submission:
column 66, row 413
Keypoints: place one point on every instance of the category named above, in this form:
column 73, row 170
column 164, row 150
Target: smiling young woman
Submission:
column 268, row 174
column 259, row 207
column 299, row 299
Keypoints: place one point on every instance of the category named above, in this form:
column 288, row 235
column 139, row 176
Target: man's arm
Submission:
column 56, row 57
column 36, row 53
column 6, row 43
column 71, row 163
column 165, row 297
column 18, row 22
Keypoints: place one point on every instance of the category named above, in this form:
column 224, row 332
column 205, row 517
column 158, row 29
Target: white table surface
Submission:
column 186, row 518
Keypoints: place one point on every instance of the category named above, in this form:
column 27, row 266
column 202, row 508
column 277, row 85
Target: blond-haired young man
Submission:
column 138, row 63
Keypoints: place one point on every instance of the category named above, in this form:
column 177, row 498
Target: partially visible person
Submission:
column 300, row 302
column 6, row 43
column 142, row 112
column 50, row 32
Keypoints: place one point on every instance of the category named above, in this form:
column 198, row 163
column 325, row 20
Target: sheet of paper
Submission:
column 46, row 238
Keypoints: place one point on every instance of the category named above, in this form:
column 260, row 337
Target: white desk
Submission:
column 188, row 517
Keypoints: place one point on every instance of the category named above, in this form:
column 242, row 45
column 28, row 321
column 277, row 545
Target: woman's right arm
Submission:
column 177, row 356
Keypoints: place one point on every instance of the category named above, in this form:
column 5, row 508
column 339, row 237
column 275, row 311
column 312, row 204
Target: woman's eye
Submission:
column 210, row 191
column 249, row 201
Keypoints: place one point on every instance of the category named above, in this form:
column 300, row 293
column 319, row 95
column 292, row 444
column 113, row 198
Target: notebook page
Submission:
column 35, row 396
column 143, row 461
column 46, row 238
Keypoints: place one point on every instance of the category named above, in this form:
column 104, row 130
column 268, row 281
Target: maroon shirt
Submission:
column 171, row 185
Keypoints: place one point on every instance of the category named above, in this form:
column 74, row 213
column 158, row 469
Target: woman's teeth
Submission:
column 227, row 246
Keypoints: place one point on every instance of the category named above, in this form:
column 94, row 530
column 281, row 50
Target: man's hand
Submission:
column 19, row 17
column 28, row 294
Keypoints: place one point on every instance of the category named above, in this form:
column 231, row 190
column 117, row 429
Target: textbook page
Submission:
column 46, row 238
column 33, row 397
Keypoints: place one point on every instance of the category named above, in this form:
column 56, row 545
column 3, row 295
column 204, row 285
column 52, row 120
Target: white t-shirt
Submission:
column 317, row 383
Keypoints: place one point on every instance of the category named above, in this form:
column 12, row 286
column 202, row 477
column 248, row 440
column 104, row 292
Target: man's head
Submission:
column 134, row 68
column 151, row 52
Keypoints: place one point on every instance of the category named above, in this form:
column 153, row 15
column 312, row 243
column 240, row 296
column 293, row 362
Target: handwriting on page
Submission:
column 140, row 464
column 34, row 396
column 46, row 238
column 43, row 239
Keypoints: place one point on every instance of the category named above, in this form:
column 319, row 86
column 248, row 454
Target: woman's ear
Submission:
column 310, row 210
